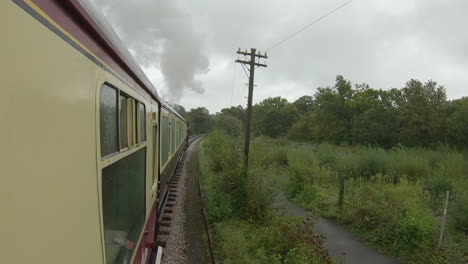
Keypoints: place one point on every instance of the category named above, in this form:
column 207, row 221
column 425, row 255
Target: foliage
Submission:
column 200, row 120
column 304, row 104
column 393, row 199
column 228, row 124
column 235, row 111
column 457, row 122
column 461, row 213
column 422, row 113
column 246, row 229
column 180, row 109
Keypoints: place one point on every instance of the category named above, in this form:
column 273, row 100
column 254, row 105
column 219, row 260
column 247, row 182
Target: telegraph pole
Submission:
column 251, row 64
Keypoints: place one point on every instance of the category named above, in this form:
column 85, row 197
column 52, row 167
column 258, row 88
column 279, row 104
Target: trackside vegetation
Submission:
column 377, row 161
column 391, row 199
column 245, row 227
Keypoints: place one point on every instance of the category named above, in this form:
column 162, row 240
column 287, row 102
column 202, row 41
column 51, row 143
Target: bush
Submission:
column 460, row 213
column 278, row 157
column 408, row 165
column 437, row 185
column 372, row 161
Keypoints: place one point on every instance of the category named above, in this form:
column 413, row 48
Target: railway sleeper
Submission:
column 163, row 233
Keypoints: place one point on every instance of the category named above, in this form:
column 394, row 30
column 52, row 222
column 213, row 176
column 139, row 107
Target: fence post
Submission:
column 341, row 193
column 443, row 220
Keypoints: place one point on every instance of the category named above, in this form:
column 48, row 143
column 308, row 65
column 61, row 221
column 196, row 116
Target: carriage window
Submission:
column 164, row 140
column 173, row 136
column 109, row 122
column 155, row 153
column 123, row 200
column 180, row 133
column 142, row 112
column 123, row 121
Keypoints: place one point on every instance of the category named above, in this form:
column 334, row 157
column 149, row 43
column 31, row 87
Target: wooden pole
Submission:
column 442, row 229
column 252, row 64
column 249, row 108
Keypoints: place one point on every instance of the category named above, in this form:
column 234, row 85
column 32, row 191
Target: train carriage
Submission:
column 88, row 146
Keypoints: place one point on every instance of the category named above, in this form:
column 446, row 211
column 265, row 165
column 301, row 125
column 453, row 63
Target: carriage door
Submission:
column 154, row 135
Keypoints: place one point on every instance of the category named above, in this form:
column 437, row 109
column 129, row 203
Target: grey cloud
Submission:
column 381, row 42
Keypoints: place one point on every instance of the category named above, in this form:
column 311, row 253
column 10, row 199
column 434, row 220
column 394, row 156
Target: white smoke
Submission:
column 160, row 34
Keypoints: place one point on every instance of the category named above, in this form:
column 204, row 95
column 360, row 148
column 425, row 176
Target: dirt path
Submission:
column 340, row 243
column 187, row 241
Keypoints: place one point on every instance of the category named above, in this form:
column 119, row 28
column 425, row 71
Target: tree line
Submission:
column 417, row 114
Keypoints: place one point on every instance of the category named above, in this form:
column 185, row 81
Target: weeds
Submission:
column 391, row 198
column 239, row 205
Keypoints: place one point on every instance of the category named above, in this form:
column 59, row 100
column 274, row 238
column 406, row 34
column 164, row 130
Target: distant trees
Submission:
column 200, row 120
column 229, row 124
column 417, row 114
column 304, row 104
column 457, row 122
column 180, row 109
column 422, row 113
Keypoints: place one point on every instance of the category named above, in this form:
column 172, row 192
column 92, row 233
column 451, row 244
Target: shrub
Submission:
column 460, row 213
column 277, row 157
column 313, row 198
column 221, row 150
column 437, row 185
column 220, row 206
column 409, row 165
column 372, row 161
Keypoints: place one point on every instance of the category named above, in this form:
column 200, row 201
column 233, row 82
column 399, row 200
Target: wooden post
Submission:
column 249, row 108
column 442, row 229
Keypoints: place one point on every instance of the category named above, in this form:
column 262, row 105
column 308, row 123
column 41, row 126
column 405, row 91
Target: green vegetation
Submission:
column 246, row 229
column 395, row 153
column 416, row 115
column 392, row 199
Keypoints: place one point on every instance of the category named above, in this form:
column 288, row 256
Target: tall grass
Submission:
column 239, row 206
column 392, row 198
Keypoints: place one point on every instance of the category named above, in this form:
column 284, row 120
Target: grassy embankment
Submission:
column 245, row 228
column 393, row 200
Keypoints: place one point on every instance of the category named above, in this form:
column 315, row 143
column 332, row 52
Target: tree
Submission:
column 333, row 115
column 378, row 127
column 235, row 111
column 200, row 120
column 180, row 109
column 262, row 109
column 228, row 124
column 303, row 129
column 422, row 113
column 458, row 122
column 304, row 104
column 277, row 122
column 374, row 117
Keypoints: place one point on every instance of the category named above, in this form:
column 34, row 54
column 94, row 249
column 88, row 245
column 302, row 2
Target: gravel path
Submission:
column 341, row 244
column 184, row 244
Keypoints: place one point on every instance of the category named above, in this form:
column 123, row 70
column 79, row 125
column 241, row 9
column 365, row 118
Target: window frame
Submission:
column 103, row 162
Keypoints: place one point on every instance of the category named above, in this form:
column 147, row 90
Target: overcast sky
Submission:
column 188, row 47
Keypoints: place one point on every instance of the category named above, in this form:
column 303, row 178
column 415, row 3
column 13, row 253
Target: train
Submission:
column 87, row 144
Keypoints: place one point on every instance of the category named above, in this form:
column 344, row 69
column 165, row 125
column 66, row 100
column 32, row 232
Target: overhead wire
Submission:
column 245, row 70
column 233, row 81
column 304, row 28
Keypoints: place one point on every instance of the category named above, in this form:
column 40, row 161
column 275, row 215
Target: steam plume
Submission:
column 160, row 34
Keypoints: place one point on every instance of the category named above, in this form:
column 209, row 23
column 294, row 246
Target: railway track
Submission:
column 169, row 209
